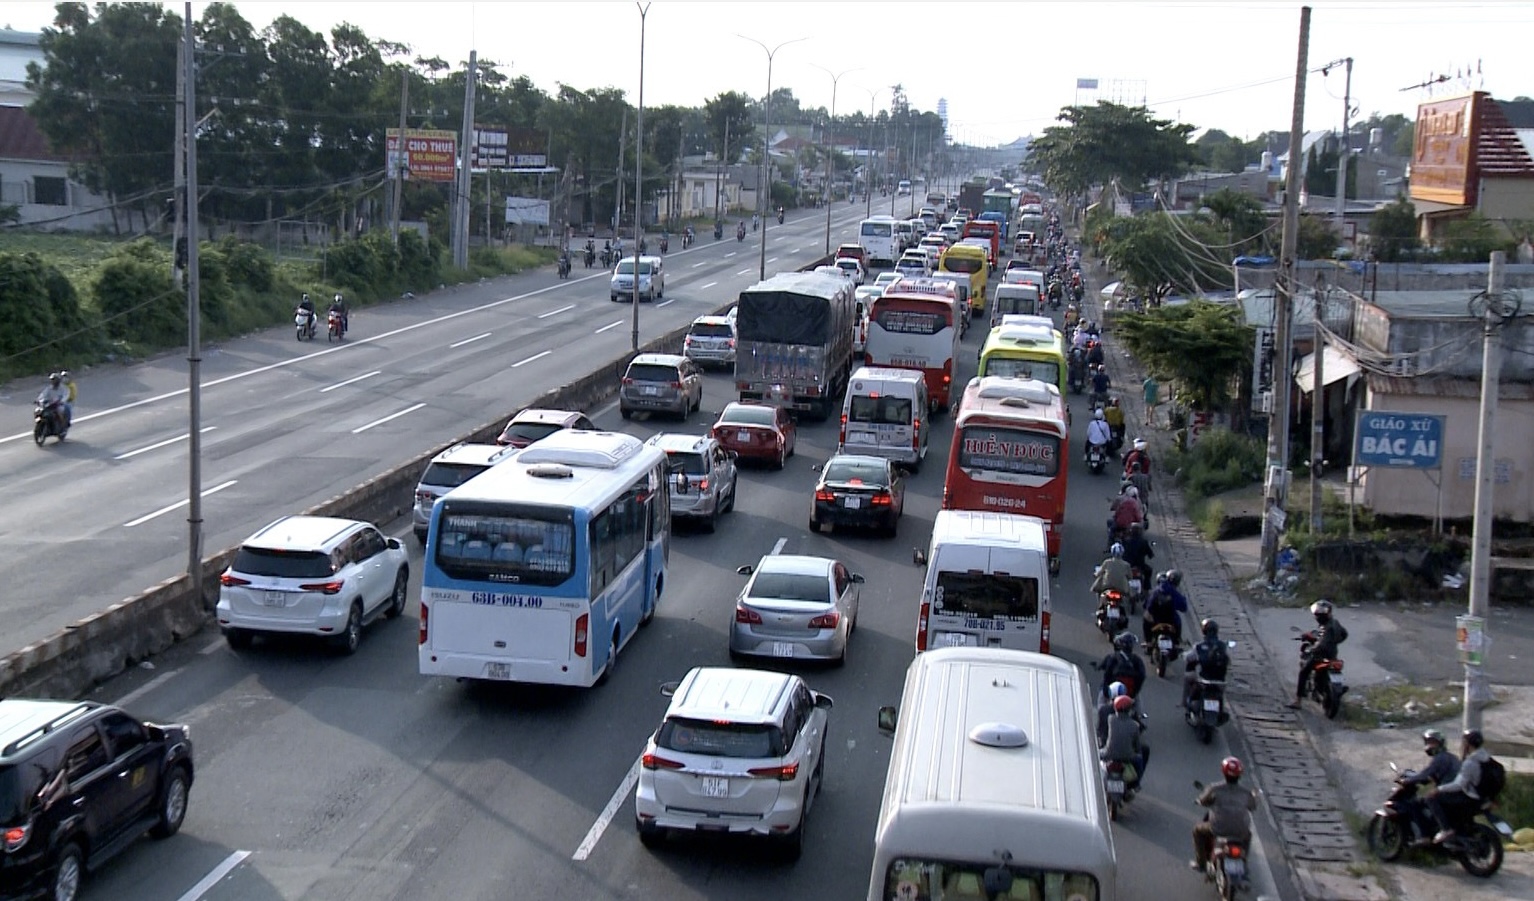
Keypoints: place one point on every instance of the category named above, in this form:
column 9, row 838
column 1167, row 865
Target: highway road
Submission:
column 322, row 777
column 286, row 424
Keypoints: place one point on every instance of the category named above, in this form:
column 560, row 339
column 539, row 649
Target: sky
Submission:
column 1005, row 69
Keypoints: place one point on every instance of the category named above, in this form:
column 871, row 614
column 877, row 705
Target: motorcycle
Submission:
column 1137, row 582
column 665, row 245
column 780, row 216
column 564, row 267
column 1111, row 618
column 591, row 257
column 48, row 422
column 740, row 232
column 333, row 326
column 687, row 239
column 718, row 231
column 1163, row 647
column 1077, row 380
column 1206, row 709
column 1226, row 867
column 1404, row 821
column 1324, row 683
column 304, row 326
column 1097, row 458
column 1117, row 786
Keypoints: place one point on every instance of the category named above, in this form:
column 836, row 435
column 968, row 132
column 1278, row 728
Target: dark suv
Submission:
column 79, row 782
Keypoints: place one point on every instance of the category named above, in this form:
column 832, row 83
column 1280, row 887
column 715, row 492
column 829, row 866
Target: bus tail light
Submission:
column 921, row 626
column 1044, row 632
column 582, row 623
column 420, row 637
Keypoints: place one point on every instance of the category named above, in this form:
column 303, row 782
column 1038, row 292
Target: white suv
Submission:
column 740, row 751
column 312, row 575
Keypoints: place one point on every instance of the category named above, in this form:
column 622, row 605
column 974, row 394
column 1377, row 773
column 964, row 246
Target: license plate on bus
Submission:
column 500, row 671
column 276, row 599
column 852, row 503
column 1115, row 786
column 1212, row 706
column 716, row 787
column 782, row 649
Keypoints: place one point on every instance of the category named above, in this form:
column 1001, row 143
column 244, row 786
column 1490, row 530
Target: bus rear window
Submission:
column 909, row 878
column 880, row 410
column 909, row 322
column 505, row 544
column 986, row 595
column 962, row 264
column 877, row 229
column 1014, row 368
column 1009, row 451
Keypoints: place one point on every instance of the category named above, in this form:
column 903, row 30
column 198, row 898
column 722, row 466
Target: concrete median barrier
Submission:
column 92, row 650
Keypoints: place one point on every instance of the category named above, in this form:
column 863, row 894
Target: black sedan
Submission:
column 857, row 490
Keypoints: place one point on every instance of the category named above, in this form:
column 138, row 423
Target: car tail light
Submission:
column 703, row 484
column 627, row 380
column 741, row 386
column 228, row 580
column 1044, row 632
column 745, row 614
column 653, row 761
column 420, row 637
column 785, row 773
column 921, row 626
column 826, row 495
column 842, row 438
column 916, row 434
column 427, row 496
column 331, row 587
column 16, row 837
column 883, row 499
column 676, row 384
column 826, row 620
column 582, row 622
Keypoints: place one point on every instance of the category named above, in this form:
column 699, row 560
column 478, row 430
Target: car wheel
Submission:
column 239, row 639
column 68, row 871
column 612, row 661
column 793, row 445
column 814, row 525
column 712, row 522
column 791, row 846
column 778, row 463
column 351, row 637
column 734, row 487
column 651, row 836
column 172, row 803
column 625, row 412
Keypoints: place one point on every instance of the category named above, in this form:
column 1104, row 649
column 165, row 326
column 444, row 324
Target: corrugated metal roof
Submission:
column 1439, row 386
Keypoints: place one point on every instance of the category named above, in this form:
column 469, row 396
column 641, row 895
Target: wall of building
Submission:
column 1413, row 493
column 1444, row 346
column 80, row 210
column 1507, row 198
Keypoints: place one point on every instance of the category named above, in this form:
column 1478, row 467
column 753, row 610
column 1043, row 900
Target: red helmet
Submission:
column 1122, row 703
column 1231, row 767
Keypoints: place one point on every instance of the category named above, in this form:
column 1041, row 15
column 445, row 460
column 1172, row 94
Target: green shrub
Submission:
column 44, row 325
column 1221, row 460
column 136, row 299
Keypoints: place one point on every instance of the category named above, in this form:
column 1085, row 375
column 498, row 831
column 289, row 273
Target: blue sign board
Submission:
column 1399, row 440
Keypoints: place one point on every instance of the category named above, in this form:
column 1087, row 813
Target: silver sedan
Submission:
column 796, row 607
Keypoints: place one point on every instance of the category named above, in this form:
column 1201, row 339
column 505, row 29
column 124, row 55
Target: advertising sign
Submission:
column 1399, row 440
column 1443, row 155
column 527, row 211
column 1012, row 451
column 429, row 155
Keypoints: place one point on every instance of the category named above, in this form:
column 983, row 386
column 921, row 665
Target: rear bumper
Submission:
column 575, row 672
column 830, row 514
column 823, row 644
column 786, row 813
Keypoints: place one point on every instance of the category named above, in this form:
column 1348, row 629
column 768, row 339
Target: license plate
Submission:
column 1235, row 869
column 276, row 599
column 651, row 390
column 1134, row 586
column 1112, row 614
column 957, row 640
column 716, row 787
column 1115, row 786
column 1165, row 644
column 782, row 649
column 743, row 436
column 852, row 503
column 498, row 671
column 861, row 438
column 1212, row 706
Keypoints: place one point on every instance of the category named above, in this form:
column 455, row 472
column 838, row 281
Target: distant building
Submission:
column 1473, row 154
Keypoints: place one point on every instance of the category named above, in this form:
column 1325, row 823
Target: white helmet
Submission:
column 1097, row 413
column 1140, row 444
column 1133, row 492
column 1116, row 550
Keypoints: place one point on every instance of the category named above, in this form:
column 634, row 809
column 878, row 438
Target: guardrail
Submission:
column 98, row 647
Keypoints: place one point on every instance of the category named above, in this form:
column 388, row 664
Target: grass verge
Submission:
column 1399, row 704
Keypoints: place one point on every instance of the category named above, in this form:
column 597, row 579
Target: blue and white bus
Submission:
column 542, row 568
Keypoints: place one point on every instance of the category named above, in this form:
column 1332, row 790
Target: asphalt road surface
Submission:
column 356, row 778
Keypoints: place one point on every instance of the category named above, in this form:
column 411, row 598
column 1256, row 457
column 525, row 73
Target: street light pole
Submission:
column 644, row 10
column 762, row 185
column 831, row 133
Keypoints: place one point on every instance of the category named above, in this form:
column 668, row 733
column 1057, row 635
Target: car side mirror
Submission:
column 394, row 544
column 857, row 578
column 733, row 455
column 681, row 483
column 887, row 718
column 744, row 570
column 669, row 688
column 824, row 702
column 918, row 556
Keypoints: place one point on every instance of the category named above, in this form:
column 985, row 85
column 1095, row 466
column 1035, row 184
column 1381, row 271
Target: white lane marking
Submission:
column 350, row 381
column 709, row 285
column 537, row 356
column 772, row 259
column 730, row 254
column 564, row 309
column 605, row 818
column 743, row 272
column 664, row 302
column 778, row 548
column 214, row 876
column 696, row 265
column 176, row 506
column 390, row 418
column 132, row 697
column 470, row 340
column 608, row 326
column 166, row 443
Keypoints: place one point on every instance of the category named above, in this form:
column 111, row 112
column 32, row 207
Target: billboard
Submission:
column 1400, row 440
column 502, row 147
column 430, row 155
column 527, row 211
column 1443, row 165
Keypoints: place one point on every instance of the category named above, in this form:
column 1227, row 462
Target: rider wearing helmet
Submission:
column 1123, row 742
column 1123, row 665
column 1115, row 691
column 55, row 399
column 1230, row 813
column 1165, row 606
column 1125, row 511
column 1321, row 644
column 1113, row 414
column 1442, row 766
column 1139, row 454
column 1098, row 433
column 69, row 402
column 1458, row 799
column 338, row 304
column 1113, row 572
column 1209, row 660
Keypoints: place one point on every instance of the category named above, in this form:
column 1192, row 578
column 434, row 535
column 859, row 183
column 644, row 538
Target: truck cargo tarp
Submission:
column 791, row 308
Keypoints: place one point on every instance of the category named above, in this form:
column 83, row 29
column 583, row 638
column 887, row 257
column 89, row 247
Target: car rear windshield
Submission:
column 880, row 410
column 281, row 564
column 986, row 595
column 791, row 587
column 530, row 431
column 867, row 472
column 710, row 330
column 688, row 462
column 737, row 414
column 751, row 741
column 653, row 372
column 450, row 475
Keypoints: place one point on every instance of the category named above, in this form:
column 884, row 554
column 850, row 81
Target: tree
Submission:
column 728, row 113
column 1316, row 239
column 1393, row 232
column 1472, row 239
column 1107, row 142
column 1243, row 218
column 1203, row 345
column 1158, row 255
column 1224, row 153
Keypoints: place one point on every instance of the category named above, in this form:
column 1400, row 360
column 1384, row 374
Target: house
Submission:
column 1473, row 154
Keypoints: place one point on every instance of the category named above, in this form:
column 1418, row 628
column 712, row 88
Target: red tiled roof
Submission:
column 1498, row 150
column 20, row 138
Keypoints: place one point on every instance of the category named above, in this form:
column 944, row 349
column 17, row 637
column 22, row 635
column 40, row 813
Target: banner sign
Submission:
column 527, row 211
column 501, row 147
column 430, row 155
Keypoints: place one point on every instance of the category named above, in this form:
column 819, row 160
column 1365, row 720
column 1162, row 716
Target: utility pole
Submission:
column 1496, row 311
column 1344, row 151
column 724, row 153
column 623, row 138
column 644, row 10
column 1317, row 406
column 461, row 208
column 402, row 155
column 1283, row 299
column 193, row 312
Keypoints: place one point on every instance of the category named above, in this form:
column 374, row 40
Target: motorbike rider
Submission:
column 1166, row 606
column 1072, row 316
column 1096, row 355
column 1139, row 454
column 54, row 400
column 1459, row 798
column 740, row 232
column 1442, row 766
column 591, row 253
column 1123, row 665
column 306, row 307
column 1123, row 744
column 718, row 229
column 1126, row 511
column 1112, row 573
column 1209, row 660
column 1114, row 415
column 1105, row 710
column 1098, row 434
column 665, row 242
column 1230, row 813
column 756, row 221
column 338, row 306
column 1138, row 552
column 69, row 402
column 780, row 214
column 1328, row 634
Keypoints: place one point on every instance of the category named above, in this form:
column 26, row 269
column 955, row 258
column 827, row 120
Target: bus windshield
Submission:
column 1016, row 368
column 986, row 595
column 503, row 543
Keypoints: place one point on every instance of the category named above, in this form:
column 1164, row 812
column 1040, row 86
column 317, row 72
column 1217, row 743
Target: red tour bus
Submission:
column 915, row 324
column 1010, row 453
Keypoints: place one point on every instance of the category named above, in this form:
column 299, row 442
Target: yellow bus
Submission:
column 970, row 260
column 1025, row 351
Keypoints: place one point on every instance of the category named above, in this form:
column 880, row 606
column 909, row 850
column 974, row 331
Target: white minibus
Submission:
column 987, row 583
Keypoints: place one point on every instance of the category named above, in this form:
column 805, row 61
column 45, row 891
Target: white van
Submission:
column 993, row 788
column 884, row 415
column 1006, row 299
column 987, row 583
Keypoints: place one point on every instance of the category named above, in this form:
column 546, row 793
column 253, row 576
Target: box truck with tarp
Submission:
column 794, row 341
